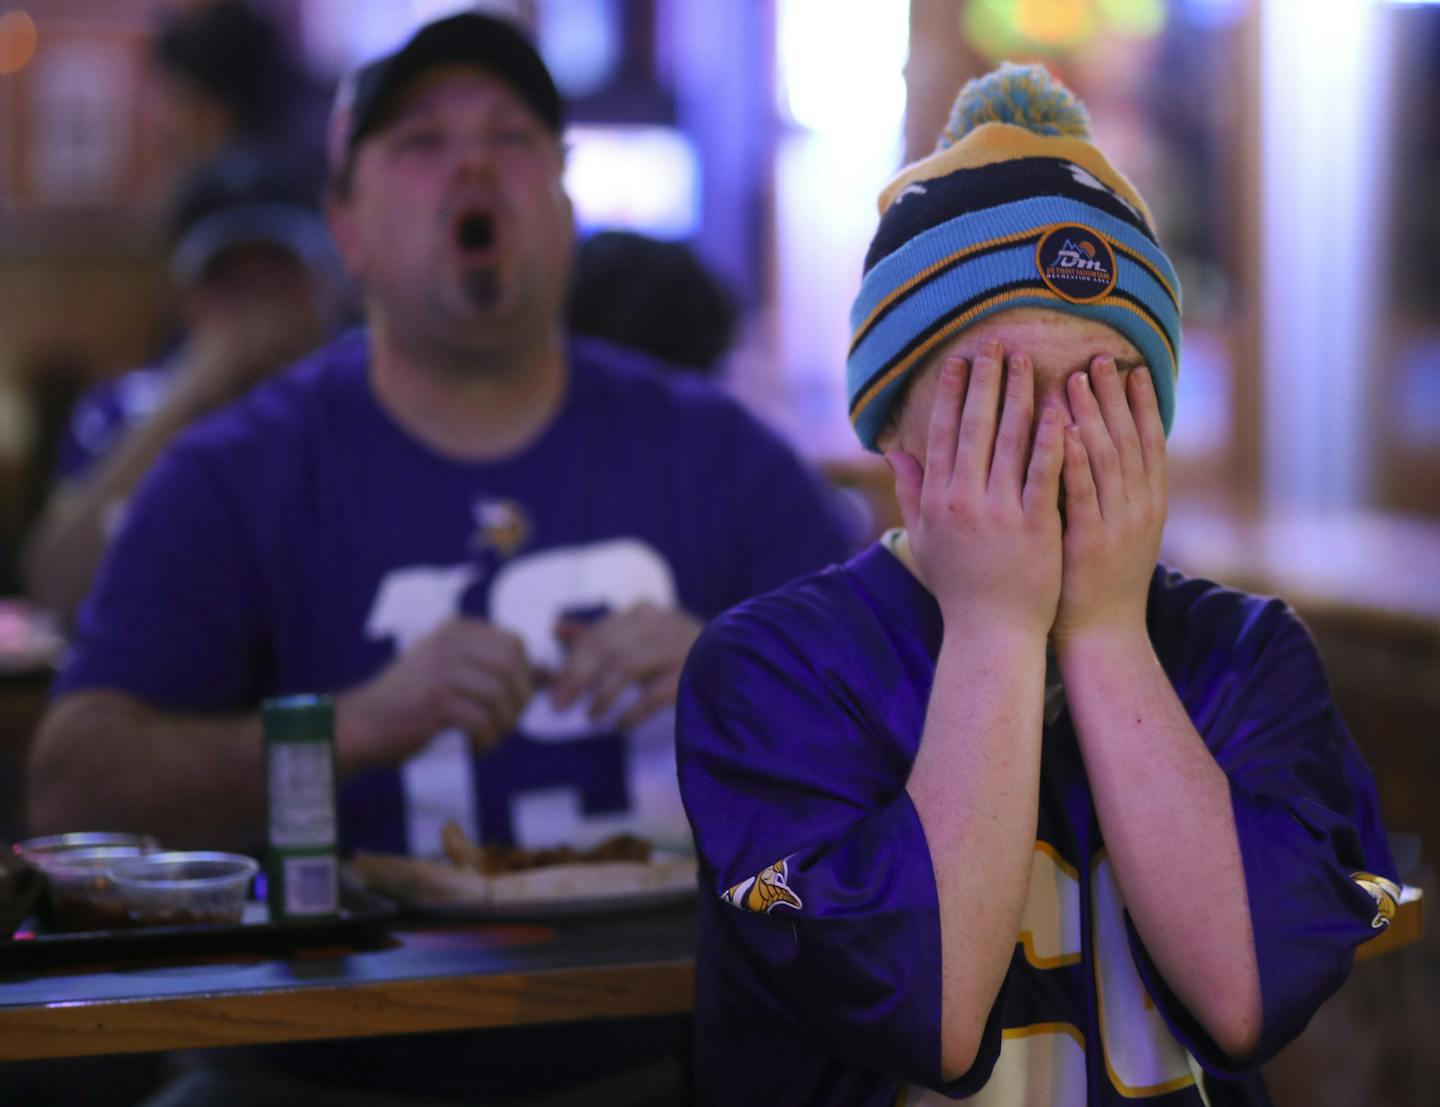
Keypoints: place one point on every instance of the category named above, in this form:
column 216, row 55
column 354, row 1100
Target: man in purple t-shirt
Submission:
column 494, row 545
column 999, row 810
column 429, row 519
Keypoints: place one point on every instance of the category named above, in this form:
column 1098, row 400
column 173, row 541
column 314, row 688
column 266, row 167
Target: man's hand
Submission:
column 467, row 673
column 645, row 645
column 983, row 526
column 1114, row 501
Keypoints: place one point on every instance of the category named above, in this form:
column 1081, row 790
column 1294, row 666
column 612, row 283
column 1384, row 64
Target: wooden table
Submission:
column 423, row 978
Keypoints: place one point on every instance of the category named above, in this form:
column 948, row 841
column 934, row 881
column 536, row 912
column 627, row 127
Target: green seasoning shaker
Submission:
column 301, row 866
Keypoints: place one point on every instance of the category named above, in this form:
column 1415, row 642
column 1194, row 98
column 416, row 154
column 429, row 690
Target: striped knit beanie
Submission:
column 1014, row 208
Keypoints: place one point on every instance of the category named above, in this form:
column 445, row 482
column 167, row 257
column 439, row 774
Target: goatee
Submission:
column 482, row 286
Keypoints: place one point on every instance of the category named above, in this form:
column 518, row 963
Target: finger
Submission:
column 582, row 666
column 908, row 478
column 1104, row 461
column 1042, row 483
column 1082, row 505
column 624, row 639
column 607, row 646
column 1145, row 405
column 945, row 421
column 477, row 719
column 501, row 653
column 1012, row 441
column 1115, row 409
column 479, row 682
column 608, row 687
column 655, row 695
column 977, row 420
column 637, row 637
column 568, row 630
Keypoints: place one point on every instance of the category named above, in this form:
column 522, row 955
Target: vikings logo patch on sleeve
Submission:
column 1385, row 893
column 764, row 892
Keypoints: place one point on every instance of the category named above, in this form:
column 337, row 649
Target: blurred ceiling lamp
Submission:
column 1003, row 28
column 17, row 41
column 852, row 86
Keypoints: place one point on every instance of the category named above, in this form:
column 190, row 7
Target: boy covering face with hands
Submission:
column 1000, row 808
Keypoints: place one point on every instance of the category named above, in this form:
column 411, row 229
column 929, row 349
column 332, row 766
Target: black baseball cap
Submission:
column 469, row 38
column 244, row 197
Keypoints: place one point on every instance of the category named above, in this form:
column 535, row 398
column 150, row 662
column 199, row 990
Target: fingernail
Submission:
column 1142, row 377
column 1104, row 366
column 1017, row 361
column 994, row 349
column 952, row 366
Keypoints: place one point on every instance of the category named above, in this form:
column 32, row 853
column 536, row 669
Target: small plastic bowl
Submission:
column 185, row 888
column 35, row 850
column 82, row 894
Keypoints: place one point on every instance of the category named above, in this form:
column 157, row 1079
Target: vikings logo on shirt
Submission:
column 501, row 526
column 764, row 892
column 1385, row 894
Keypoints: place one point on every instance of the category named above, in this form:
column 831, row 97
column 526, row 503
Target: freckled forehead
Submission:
column 1056, row 342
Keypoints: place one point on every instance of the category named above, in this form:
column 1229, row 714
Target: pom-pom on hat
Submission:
column 1016, row 207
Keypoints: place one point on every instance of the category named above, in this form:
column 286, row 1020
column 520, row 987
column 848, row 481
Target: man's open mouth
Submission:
column 475, row 231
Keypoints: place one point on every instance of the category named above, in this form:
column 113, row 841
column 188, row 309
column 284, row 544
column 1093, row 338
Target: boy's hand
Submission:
column 984, row 527
column 1114, row 502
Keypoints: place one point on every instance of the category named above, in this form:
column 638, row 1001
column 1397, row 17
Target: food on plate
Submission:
column 491, row 860
column 622, row 871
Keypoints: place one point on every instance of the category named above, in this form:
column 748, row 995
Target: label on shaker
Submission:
column 311, row 885
column 302, row 795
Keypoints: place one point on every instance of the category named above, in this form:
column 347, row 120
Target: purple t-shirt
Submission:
column 299, row 540
column 818, row 978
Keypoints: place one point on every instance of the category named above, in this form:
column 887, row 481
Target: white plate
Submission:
column 577, row 889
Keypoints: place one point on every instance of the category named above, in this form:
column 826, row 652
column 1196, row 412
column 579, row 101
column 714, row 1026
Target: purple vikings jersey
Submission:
column 300, row 540
column 818, row 976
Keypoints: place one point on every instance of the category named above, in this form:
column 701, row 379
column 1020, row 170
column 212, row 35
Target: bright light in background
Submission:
column 17, row 41
column 339, row 34
column 1323, row 105
column 1135, row 18
column 842, row 64
column 642, row 179
column 841, row 74
column 1214, row 13
column 999, row 28
column 580, row 41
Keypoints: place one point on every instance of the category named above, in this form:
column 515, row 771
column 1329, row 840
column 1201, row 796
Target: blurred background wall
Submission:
column 1290, row 150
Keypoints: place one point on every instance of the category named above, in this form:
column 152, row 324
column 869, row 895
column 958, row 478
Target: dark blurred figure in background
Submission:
column 653, row 296
column 258, row 284
column 227, row 80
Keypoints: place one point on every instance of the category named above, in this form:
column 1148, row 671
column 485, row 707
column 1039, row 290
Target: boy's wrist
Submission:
column 1122, row 643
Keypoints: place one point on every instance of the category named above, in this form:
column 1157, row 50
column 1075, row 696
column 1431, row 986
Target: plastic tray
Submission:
column 359, row 923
